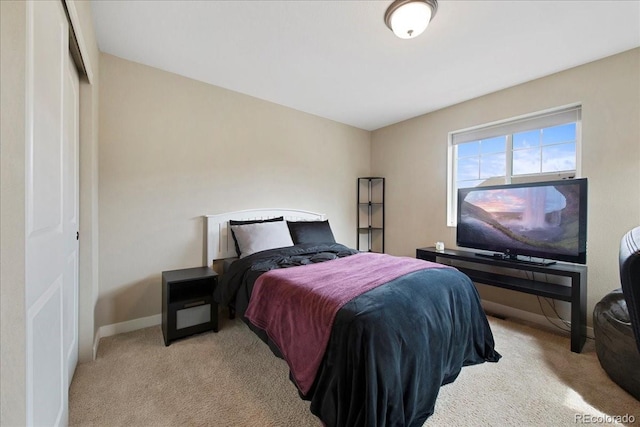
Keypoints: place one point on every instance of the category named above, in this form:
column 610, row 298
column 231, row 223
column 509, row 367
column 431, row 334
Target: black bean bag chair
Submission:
column 616, row 320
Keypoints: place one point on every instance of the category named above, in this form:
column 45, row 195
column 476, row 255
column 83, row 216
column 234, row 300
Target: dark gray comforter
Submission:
column 391, row 348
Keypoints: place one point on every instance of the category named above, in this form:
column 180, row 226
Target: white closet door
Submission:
column 71, row 193
column 51, row 215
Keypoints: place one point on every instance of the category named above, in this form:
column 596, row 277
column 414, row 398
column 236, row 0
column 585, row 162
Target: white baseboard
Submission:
column 122, row 327
column 510, row 312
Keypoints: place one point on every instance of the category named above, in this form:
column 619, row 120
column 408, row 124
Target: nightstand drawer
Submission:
column 193, row 316
column 191, row 313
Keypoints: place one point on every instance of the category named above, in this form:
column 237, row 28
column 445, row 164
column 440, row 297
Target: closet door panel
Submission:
column 70, row 217
column 51, row 215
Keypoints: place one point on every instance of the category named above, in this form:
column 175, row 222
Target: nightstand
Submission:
column 187, row 302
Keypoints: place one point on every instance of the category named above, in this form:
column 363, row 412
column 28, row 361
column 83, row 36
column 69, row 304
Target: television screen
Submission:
column 545, row 219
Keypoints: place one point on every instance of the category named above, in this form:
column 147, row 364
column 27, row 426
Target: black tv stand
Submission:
column 576, row 294
column 514, row 258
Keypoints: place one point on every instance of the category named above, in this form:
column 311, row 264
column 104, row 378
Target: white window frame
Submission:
column 540, row 119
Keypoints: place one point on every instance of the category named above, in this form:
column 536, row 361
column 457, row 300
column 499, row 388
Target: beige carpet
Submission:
column 232, row 379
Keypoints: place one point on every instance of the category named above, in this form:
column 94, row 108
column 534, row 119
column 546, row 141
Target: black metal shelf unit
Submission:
column 370, row 219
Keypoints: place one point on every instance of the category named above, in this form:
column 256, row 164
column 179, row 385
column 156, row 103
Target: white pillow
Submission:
column 261, row 236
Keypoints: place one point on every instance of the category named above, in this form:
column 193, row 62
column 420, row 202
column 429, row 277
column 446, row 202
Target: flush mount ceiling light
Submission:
column 409, row 18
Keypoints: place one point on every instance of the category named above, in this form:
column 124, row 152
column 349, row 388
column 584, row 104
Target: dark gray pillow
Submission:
column 310, row 232
column 251, row 221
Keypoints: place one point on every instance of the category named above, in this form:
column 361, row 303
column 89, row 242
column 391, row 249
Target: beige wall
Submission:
column 13, row 37
column 173, row 149
column 412, row 155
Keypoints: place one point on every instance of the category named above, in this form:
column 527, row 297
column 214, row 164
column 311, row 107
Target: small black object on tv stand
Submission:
column 514, row 258
column 576, row 294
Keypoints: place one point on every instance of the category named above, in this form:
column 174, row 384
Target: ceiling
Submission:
column 337, row 59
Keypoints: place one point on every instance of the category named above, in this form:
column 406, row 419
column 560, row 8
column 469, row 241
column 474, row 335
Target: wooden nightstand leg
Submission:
column 232, row 313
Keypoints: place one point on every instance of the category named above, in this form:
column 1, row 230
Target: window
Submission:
column 537, row 147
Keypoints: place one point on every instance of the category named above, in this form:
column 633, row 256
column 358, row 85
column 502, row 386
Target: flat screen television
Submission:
column 545, row 220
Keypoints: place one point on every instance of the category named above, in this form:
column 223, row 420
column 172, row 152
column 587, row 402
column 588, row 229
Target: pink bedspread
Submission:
column 296, row 306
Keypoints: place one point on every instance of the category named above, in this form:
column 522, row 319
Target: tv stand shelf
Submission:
column 548, row 290
column 576, row 294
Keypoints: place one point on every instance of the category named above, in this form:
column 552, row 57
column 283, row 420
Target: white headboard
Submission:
column 219, row 241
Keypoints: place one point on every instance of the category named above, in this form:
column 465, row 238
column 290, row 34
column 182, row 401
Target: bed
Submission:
column 369, row 338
